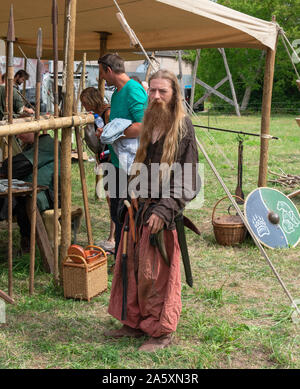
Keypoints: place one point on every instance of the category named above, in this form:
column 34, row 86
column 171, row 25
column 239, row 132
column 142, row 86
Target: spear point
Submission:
column 11, row 27
column 39, row 44
column 54, row 13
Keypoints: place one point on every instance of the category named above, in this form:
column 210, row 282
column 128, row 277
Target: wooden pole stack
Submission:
column 20, row 126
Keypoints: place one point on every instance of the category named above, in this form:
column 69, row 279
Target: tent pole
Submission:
column 66, row 138
column 101, row 85
column 236, row 105
column 180, row 72
column 266, row 114
column 103, row 49
column 56, row 141
column 195, row 68
column 24, row 83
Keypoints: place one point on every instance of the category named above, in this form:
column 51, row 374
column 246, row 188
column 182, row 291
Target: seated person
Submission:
column 22, row 168
column 19, row 108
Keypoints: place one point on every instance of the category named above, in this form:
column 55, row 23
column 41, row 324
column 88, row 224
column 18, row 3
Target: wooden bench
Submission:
column 44, row 233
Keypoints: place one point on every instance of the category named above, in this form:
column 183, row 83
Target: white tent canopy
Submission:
column 159, row 25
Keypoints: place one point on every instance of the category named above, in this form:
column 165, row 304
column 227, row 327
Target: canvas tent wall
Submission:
column 159, row 24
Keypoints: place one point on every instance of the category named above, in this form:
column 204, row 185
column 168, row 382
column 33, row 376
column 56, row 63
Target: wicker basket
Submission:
column 228, row 229
column 84, row 280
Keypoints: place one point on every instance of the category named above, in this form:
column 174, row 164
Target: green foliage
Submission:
column 247, row 65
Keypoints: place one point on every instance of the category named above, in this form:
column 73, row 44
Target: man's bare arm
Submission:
column 133, row 131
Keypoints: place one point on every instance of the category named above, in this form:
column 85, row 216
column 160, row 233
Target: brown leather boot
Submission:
column 154, row 344
column 124, row 331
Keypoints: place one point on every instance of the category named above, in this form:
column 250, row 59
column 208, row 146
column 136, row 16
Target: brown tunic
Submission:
column 167, row 208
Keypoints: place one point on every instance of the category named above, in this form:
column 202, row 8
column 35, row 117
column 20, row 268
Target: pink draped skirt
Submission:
column 154, row 288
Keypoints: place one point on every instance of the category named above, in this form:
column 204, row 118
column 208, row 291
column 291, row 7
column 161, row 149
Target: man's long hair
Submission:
column 175, row 129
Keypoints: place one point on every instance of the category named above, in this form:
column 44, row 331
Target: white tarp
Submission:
column 159, row 24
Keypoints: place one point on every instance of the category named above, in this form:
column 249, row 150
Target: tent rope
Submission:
column 135, row 37
column 284, row 38
column 206, row 131
column 32, row 67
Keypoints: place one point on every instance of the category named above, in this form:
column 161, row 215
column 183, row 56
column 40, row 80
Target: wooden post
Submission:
column 9, row 86
column 101, row 84
column 56, row 144
column 180, row 73
column 83, row 70
column 5, row 140
column 236, row 106
column 35, row 163
column 84, row 187
column 194, row 75
column 83, row 87
column 265, row 115
column 24, row 83
column 66, row 182
column 103, row 48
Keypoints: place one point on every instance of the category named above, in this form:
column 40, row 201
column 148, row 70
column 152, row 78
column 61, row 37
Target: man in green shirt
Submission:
column 128, row 101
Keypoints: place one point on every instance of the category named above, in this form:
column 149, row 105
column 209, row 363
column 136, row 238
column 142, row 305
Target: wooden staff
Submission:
column 66, row 183
column 83, row 182
column 131, row 219
column 124, row 269
column 10, row 86
column 24, row 83
column 83, row 85
column 35, row 161
column 56, row 114
column 101, row 84
column 238, row 190
column 7, row 298
column 5, row 140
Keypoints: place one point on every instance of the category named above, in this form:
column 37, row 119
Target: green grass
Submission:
column 235, row 316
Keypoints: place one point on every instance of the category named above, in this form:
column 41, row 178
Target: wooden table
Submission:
column 42, row 239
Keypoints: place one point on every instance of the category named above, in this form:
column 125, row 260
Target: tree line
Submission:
column 247, row 65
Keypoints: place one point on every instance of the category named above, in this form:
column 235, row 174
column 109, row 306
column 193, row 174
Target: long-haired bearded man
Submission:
column 151, row 304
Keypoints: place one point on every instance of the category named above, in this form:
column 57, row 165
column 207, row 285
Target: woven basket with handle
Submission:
column 228, row 229
column 83, row 280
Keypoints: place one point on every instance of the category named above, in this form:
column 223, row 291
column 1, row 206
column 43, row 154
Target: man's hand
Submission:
column 99, row 132
column 28, row 110
column 155, row 223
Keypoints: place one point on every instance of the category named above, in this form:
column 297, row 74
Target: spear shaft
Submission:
column 10, row 91
column 35, row 162
column 56, row 114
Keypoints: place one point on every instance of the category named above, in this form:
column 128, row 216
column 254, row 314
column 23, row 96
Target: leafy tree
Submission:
column 247, row 65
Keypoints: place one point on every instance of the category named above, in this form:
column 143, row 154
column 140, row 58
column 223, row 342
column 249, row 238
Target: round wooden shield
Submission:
column 273, row 218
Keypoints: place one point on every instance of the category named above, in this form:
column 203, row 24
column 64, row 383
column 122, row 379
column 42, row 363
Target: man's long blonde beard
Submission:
column 170, row 122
